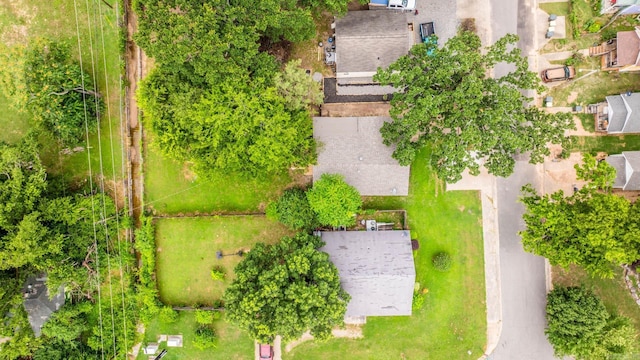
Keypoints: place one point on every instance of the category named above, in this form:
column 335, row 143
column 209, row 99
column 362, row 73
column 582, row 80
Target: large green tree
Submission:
column 579, row 325
column 335, row 202
column 212, row 98
column 60, row 96
column 447, row 99
column 590, row 228
column 286, row 289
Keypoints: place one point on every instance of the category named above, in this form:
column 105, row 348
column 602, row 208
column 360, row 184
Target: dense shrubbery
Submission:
column 579, row 325
column 335, row 202
column 293, row 210
column 147, row 293
column 205, row 338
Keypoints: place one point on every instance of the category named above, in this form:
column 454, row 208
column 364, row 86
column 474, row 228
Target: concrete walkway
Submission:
column 486, row 184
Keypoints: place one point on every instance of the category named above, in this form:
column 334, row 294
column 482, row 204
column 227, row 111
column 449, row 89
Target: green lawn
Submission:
column 613, row 292
column 453, row 320
column 232, row 343
column 23, row 20
column 186, row 253
column 611, row 144
column 171, row 188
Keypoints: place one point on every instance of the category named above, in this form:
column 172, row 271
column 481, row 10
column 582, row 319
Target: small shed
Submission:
column 151, row 348
column 174, row 341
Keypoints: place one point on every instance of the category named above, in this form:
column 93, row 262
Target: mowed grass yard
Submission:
column 232, row 344
column 170, row 188
column 186, row 253
column 453, row 319
column 24, row 20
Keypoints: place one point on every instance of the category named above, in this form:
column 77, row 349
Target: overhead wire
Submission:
column 93, row 211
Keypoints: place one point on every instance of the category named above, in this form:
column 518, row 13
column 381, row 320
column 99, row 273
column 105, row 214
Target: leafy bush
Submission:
column 334, row 201
column 147, row 293
column 167, row 315
column 204, row 317
column 218, row 273
column 575, row 59
column 608, row 34
column 592, row 26
column 293, row 210
column 441, row 261
column 418, row 299
column 205, row 338
column 580, row 325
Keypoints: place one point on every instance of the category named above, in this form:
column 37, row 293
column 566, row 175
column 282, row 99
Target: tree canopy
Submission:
column 579, row 325
column 334, row 201
column 293, row 210
column 215, row 98
column 589, row 228
column 286, row 289
column 60, row 96
column 448, row 100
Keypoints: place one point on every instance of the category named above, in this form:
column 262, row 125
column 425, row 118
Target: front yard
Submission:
column 186, row 253
column 453, row 319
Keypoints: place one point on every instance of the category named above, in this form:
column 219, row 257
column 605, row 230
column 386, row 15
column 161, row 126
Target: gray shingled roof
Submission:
column 376, row 268
column 624, row 113
column 352, row 146
column 367, row 40
column 632, row 170
column 619, row 163
column 37, row 303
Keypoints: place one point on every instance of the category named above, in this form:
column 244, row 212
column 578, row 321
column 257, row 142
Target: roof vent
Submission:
column 360, row 158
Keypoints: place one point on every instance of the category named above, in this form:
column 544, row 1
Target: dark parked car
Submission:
column 266, row 352
column 558, row 74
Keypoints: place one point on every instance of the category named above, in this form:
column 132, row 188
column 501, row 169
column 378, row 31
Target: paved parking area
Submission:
column 443, row 15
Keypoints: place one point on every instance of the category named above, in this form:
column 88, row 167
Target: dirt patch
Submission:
column 355, row 109
column 349, row 332
column 187, row 172
column 280, row 50
column 15, row 34
column 468, row 24
column 573, row 96
column 629, row 195
column 116, row 190
column 301, row 178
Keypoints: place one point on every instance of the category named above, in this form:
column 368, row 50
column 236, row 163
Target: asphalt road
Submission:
column 522, row 274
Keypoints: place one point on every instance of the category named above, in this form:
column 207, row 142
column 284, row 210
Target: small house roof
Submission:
column 38, row 303
column 352, row 147
column 618, row 162
column 376, row 268
column 627, row 167
column 628, row 47
column 624, row 113
column 367, row 40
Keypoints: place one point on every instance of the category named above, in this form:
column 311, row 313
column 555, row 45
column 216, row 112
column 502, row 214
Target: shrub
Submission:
column 441, row 261
column 334, row 201
column 218, row 303
column 167, row 315
column 204, row 317
column 293, row 210
column 204, row 338
column 419, row 298
column 218, row 273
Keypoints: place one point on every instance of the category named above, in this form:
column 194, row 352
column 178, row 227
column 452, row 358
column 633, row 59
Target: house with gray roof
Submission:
column 622, row 114
column 366, row 41
column 39, row 303
column 376, row 268
column 352, row 147
column 627, row 167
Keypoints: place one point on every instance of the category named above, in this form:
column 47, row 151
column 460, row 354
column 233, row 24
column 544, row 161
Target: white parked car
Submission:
column 402, row 4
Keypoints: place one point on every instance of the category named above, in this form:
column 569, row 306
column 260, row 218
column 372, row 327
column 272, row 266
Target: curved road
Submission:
column 523, row 281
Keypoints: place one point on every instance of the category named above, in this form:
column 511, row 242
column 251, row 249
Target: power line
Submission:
column 93, row 211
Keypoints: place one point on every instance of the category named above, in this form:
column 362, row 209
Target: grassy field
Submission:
column 611, row 144
column 232, row 343
column 613, row 292
column 453, row 320
column 22, row 20
column 186, row 253
column 171, row 188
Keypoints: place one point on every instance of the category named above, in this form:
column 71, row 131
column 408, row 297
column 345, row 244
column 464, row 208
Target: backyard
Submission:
column 186, row 253
column 171, row 187
column 21, row 21
column 232, row 344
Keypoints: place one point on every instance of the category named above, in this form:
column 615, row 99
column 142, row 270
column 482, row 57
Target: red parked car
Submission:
column 266, row 352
